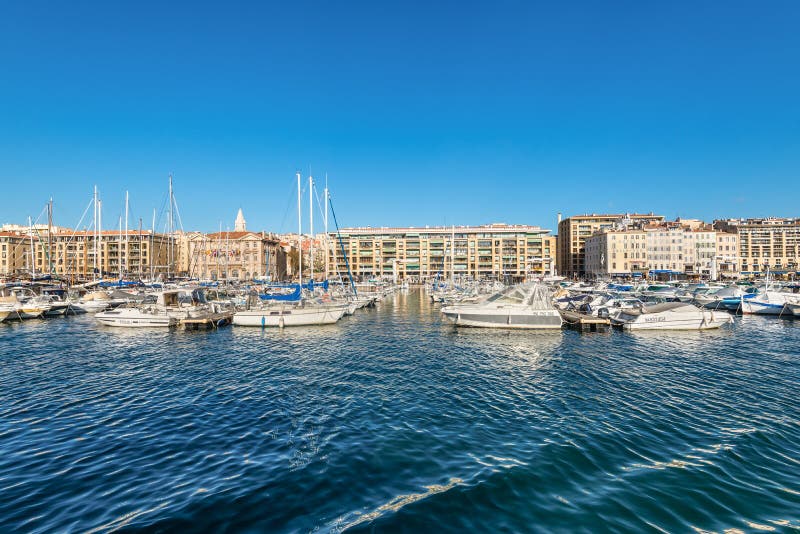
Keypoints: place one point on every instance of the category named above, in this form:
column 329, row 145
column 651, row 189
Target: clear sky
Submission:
column 421, row 113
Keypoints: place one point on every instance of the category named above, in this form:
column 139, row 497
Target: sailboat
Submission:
column 306, row 311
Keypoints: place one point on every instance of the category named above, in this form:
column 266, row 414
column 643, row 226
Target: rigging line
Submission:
column 288, row 207
column 74, row 232
column 41, row 241
column 177, row 211
column 341, row 244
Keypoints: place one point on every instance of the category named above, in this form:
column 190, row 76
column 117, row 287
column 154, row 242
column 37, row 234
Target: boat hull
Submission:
column 135, row 321
column 285, row 317
column 30, row 313
column 679, row 324
column 543, row 320
column 57, row 310
column 750, row 307
column 93, row 306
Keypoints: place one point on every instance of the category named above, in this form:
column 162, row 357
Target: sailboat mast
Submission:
column 119, row 249
column 33, row 256
column 50, row 235
column 171, row 227
column 152, row 244
column 96, row 237
column 125, row 265
column 140, row 248
column 453, row 255
column 311, row 224
column 327, row 245
column 100, row 235
column 299, row 232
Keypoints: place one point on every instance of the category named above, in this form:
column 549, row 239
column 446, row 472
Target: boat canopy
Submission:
column 535, row 295
column 120, row 283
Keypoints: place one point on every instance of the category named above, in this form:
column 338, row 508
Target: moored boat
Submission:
column 670, row 316
column 305, row 313
column 525, row 306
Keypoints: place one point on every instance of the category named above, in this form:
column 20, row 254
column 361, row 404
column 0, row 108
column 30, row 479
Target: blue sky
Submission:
column 420, row 113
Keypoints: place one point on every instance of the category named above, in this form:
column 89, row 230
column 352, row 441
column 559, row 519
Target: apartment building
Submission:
column 73, row 254
column 490, row 251
column 575, row 230
column 620, row 252
column 728, row 260
column 766, row 243
column 683, row 247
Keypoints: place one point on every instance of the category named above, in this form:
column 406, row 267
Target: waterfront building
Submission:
column 673, row 249
column 71, row 253
column 499, row 251
column 237, row 255
column 575, row 230
column 616, row 252
column 232, row 256
column 728, row 261
column 12, row 253
column 686, row 247
column 764, row 243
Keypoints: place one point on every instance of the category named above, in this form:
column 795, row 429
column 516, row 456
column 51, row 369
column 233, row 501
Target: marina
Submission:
column 447, row 267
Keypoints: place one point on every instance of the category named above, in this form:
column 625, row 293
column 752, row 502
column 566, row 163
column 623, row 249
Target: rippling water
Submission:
column 391, row 420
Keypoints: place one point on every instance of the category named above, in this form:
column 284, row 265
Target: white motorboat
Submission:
column 793, row 308
column 525, row 306
column 670, row 316
column 136, row 317
column 23, row 302
column 95, row 302
column 768, row 303
column 164, row 312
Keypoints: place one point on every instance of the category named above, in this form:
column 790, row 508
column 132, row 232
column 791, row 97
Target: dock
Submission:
column 207, row 323
column 583, row 322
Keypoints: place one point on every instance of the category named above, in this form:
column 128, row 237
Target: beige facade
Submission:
column 772, row 243
column 14, row 252
column 616, row 253
column 238, row 255
column 575, row 230
column 476, row 252
column 71, row 254
column 685, row 247
column 728, row 260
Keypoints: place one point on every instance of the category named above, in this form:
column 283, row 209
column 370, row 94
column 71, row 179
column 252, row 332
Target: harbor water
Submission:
column 392, row 420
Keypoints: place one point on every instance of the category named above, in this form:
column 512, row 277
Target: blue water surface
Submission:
column 391, row 420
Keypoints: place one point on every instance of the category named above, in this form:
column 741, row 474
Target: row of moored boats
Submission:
column 641, row 306
column 275, row 305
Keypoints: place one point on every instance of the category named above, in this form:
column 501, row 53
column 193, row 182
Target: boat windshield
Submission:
column 535, row 295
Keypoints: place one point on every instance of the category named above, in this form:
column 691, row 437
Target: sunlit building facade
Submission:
column 497, row 251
